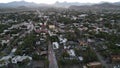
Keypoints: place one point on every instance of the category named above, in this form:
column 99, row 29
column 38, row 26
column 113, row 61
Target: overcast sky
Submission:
column 53, row 1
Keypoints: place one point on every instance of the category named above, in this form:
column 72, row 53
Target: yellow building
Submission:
column 51, row 26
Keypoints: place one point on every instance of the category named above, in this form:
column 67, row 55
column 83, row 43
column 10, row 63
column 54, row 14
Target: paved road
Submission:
column 51, row 53
column 101, row 59
column 51, row 57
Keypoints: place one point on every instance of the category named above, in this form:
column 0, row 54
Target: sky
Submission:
column 53, row 1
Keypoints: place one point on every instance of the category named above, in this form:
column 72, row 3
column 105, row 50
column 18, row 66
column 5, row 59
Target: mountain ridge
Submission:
column 56, row 4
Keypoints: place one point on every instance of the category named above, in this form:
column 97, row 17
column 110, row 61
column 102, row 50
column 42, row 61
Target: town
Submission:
column 59, row 38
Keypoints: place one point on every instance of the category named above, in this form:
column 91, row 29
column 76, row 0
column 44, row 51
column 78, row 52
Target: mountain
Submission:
column 15, row 4
column 68, row 4
column 74, row 5
column 32, row 4
column 117, row 3
column 107, row 5
column 97, row 6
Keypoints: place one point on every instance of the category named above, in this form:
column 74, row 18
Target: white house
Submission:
column 82, row 15
column 5, row 42
column 51, row 33
column 63, row 40
column 4, row 60
column 15, row 34
column 13, row 50
column 71, row 52
column 20, row 58
column 117, row 45
column 66, row 47
column 37, row 42
column 5, row 31
column 55, row 45
column 80, row 58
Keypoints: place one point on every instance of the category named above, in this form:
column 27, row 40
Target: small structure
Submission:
column 5, row 60
column 115, row 58
column 14, row 35
column 83, row 45
column 51, row 26
column 80, row 58
column 55, row 45
column 38, row 42
column 20, row 58
column 5, row 42
column 43, row 53
column 63, row 40
column 71, row 52
column 94, row 65
column 85, row 67
column 117, row 45
column 13, row 50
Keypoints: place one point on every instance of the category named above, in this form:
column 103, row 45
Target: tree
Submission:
column 35, row 57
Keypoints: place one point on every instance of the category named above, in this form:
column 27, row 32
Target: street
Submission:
column 51, row 57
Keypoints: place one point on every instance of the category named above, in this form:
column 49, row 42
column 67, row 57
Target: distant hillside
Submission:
column 68, row 4
column 15, row 4
column 107, row 5
column 117, row 3
column 32, row 4
column 74, row 5
column 97, row 6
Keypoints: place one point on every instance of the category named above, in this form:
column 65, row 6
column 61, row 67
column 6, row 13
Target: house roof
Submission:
column 43, row 53
column 115, row 57
column 94, row 63
column 71, row 52
column 80, row 58
column 83, row 43
column 21, row 58
column 5, row 58
column 56, row 44
column 14, row 49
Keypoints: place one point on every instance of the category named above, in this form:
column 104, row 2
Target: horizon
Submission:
column 54, row 1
